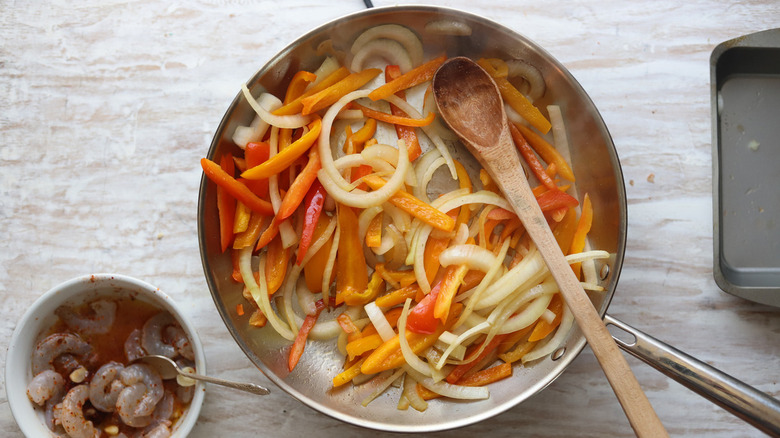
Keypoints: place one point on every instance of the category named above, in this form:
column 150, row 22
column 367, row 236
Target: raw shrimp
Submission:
column 161, row 430
column 55, row 345
column 105, row 387
column 72, row 416
column 126, row 403
column 152, row 335
column 178, row 338
column 46, row 386
column 139, row 403
column 99, row 322
column 133, row 348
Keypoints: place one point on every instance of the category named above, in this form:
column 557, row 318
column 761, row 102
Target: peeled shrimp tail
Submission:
column 72, row 414
column 105, row 387
column 54, row 346
column 100, row 322
column 152, row 335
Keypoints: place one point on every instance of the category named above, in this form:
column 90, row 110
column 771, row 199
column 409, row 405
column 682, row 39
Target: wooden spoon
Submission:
column 470, row 102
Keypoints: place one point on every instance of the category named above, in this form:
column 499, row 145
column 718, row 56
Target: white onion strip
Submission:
column 567, row 320
column 451, row 391
column 395, row 32
column 392, row 52
column 383, row 387
column 473, row 256
column 410, row 357
column 381, row 324
column 260, row 292
column 290, row 122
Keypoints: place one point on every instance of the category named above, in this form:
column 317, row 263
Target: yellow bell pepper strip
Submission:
column 516, row 100
column 547, row 151
column 417, row 208
column 347, row 375
column 298, row 85
column 389, row 355
column 251, row 233
column 433, row 248
column 295, row 106
column 315, row 267
column 555, row 199
column 241, row 218
column 276, row 263
column 375, row 285
column 583, row 227
column 415, row 76
column 513, row 338
column 332, row 94
column 518, row 352
column 487, row 182
column 226, row 206
column 300, row 186
column 396, row 120
column 351, row 274
column 286, row 156
column 300, row 341
column 473, row 357
column 405, row 133
column 361, row 345
column 397, row 296
column 449, row 287
column 234, row 188
column 530, row 158
column 501, row 67
column 396, row 278
column 374, row 232
column 312, row 205
column 257, row 153
column 544, row 328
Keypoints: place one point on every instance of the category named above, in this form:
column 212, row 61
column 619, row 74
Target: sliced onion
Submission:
column 401, row 219
column 328, row 66
column 260, row 292
column 531, row 74
column 383, row 386
column 350, row 114
column 380, row 322
column 560, row 139
column 330, row 263
column 451, row 391
column 306, row 299
column 480, row 328
column 567, row 320
column 473, row 256
column 247, row 134
column 391, row 51
column 395, row 32
column 290, row 122
column 365, row 218
column 288, row 235
column 410, row 357
column 448, row 27
column 421, row 166
column 321, row 241
column 411, row 394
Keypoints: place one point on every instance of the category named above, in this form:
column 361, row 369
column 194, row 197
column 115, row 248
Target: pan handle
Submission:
column 735, row 396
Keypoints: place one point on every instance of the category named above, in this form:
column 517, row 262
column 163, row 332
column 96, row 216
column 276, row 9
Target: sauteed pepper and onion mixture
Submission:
column 349, row 219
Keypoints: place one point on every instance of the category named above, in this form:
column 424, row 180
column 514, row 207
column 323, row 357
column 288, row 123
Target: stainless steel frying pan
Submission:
column 598, row 171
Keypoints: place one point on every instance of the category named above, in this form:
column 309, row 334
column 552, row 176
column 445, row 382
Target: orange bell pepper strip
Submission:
column 473, row 357
column 555, row 199
column 530, row 158
column 359, row 138
column 389, row 355
column 480, row 378
column 226, row 205
column 234, row 188
column 564, row 230
column 312, row 204
column 295, row 106
column 351, row 274
column 286, row 156
column 298, row 85
column 413, row 77
column 360, row 172
column 361, row 345
column 271, row 231
column 374, row 232
column 544, row 328
column 332, row 94
column 449, row 287
column 347, row 375
column 433, row 248
column 405, row 133
column 516, row 100
column 396, row 278
column 349, row 327
column 375, row 285
column 396, row 120
column 513, row 338
column 547, row 151
column 315, row 267
column 250, row 235
column 583, row 227
column 300, row 186
column 417, row 208
column 276, row 263
column 300, row 341
column 397, row 296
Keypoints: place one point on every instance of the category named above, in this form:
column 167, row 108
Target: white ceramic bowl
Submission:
column 40, row 316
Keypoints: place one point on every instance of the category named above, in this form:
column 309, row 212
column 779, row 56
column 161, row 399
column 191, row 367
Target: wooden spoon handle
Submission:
column 503, row 160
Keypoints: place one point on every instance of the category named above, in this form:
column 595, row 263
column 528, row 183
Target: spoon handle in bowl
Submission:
column 248, row 387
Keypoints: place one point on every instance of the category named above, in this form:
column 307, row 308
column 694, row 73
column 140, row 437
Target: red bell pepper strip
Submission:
column 286, row 156
column 405, row 133
column 300, row 341
column 530, row 158
column 421, row 318
column 256, row 153
column 473, row 358
column 226, row 205
column 300, row 187
column 313, row 202
column 239, row 191
column 555, row 199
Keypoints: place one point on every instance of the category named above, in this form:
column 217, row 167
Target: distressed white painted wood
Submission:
column 108, row 106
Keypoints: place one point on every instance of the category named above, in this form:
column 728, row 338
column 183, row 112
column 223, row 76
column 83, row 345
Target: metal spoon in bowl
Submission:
column 168, row 369
column 470, row 102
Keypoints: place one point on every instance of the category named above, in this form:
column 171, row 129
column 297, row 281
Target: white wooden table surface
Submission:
column 107, row 106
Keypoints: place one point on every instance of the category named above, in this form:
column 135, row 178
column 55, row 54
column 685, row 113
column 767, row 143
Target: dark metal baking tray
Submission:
column 745, row 87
